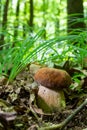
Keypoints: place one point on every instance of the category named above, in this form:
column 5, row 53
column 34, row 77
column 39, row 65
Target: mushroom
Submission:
column 51, row 82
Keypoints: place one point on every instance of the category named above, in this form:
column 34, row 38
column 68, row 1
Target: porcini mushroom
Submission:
column 51, row 82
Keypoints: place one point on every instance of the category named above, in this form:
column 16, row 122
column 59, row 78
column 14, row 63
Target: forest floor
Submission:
column 18, row 110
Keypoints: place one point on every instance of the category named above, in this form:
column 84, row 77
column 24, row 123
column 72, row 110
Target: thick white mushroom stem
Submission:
column 50, row 100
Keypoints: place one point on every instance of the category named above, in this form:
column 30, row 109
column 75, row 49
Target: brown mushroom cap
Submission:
column 52, row 78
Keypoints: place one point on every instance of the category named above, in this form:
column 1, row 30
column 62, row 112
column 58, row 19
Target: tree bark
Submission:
column 17, row 19
column 31, row 11
column 75, row 15
column 24, row 13
column 4, row 21
column 44, row 17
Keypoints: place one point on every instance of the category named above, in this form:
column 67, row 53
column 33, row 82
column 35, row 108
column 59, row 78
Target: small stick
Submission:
column 61, row 125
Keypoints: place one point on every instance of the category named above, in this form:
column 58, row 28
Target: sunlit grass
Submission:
column 35, row 49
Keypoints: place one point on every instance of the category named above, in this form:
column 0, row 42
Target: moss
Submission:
column 50, row 101
column 43, row 105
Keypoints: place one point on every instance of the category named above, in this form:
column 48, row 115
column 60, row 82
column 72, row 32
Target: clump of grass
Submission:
column 35, row 48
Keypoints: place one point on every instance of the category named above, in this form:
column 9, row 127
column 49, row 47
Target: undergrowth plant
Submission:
column 35, row 49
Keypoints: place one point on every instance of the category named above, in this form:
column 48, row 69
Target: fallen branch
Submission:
column 61, row 125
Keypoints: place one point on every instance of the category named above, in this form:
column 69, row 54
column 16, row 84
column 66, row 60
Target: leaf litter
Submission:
column 19, row 111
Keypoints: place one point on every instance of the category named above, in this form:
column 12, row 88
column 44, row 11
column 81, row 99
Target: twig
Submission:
column 61, row 125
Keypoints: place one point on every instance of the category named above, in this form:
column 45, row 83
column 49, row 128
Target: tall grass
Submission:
column 35, row 48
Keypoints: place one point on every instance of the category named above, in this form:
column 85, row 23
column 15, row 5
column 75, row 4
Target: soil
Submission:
column 20, row 97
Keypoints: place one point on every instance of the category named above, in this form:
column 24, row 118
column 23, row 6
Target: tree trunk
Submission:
column 0, row 11
column 17, row 19
column 75, row 15
column 31, row 11
column 4, row 21
column 24, row 13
